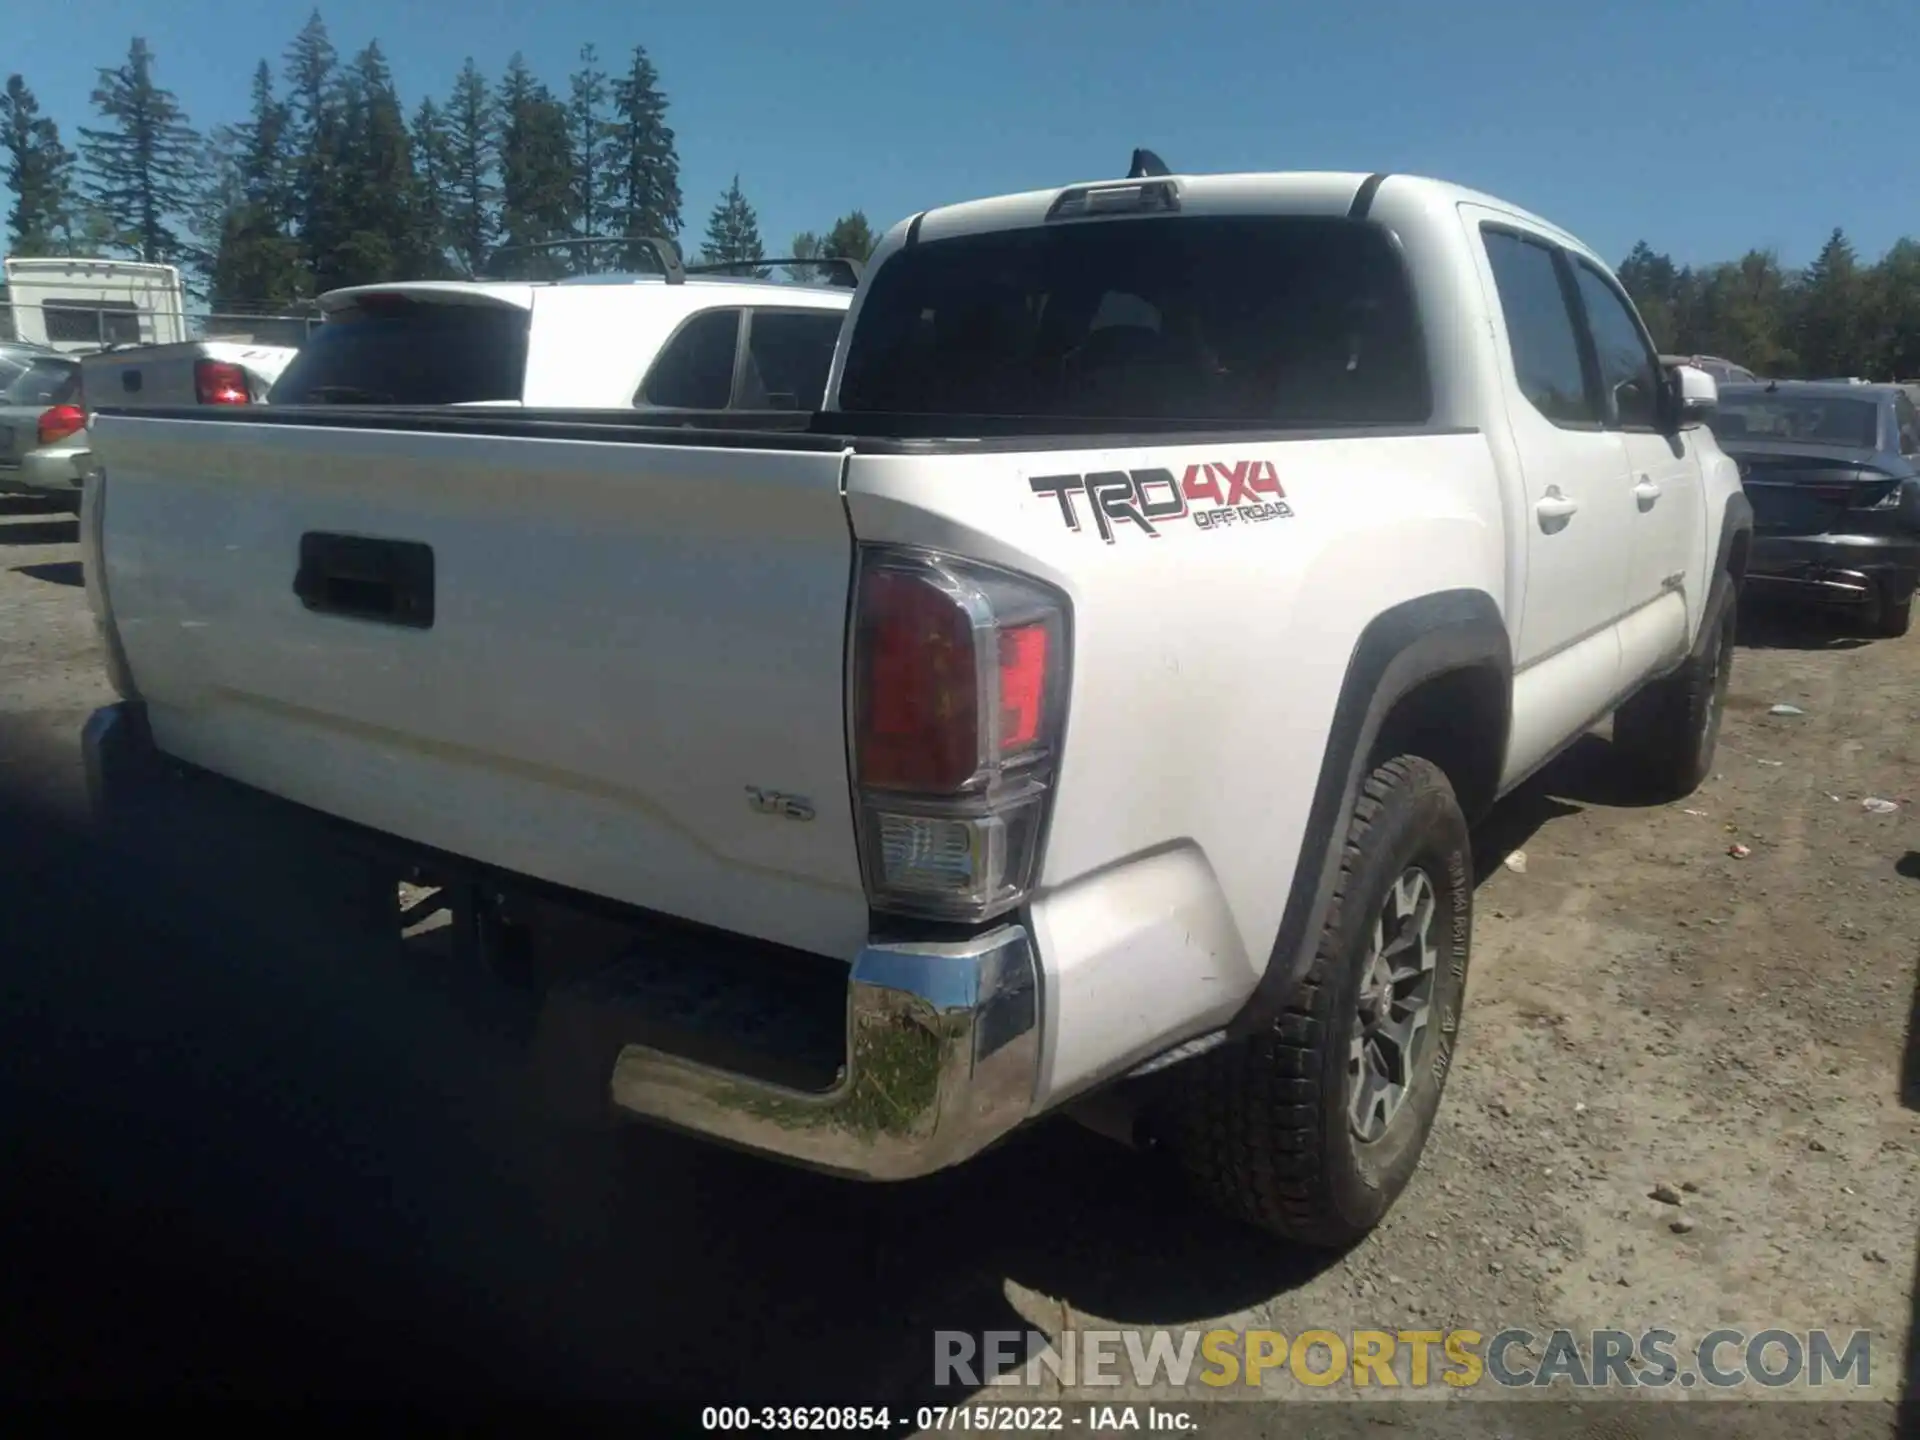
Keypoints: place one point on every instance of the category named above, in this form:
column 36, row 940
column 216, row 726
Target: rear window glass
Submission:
column 37, row 381
column 1810, row 419
column 404, row 352
column 1291, row 320
column 788, row 355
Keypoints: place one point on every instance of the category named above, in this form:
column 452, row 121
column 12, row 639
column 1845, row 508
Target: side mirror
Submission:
column 1696, row 393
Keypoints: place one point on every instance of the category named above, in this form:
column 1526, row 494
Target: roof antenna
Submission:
column 1146, row 163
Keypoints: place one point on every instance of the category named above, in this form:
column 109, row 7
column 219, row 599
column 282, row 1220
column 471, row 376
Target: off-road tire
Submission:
column 1261, row 1125
column 1887, row 619
column 1668, row 732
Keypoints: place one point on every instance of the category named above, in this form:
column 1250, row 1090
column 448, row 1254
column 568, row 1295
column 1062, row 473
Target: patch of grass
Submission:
column 896, row 1082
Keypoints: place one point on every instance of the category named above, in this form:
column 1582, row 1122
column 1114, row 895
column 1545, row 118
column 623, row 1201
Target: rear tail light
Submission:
column 959, row 693
column 216, row 382
column 1869, row 495
column 61, row 421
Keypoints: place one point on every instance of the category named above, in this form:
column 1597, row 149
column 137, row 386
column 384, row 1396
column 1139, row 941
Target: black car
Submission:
column 1833, row 472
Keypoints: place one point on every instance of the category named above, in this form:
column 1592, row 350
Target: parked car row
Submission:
column 679, row 344
column 45, row 397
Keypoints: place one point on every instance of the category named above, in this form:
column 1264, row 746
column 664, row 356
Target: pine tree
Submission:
column 314, row 140
column 588, row 138
column 536, row 173
column 1741, row 313
column 1894, row 303
column 39, row 172
column 472, row 137
column 218, row 202
column 256, row 263
column 432, row 208
column 733, row 231
column 851, row 237
column 646, row 167
column 805, row 246
column 1830, row 320
column 377, row 159
column 141, row 172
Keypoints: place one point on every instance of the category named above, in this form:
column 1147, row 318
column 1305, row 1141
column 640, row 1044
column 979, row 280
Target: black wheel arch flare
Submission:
column 1401, row 649
column 1736, row 521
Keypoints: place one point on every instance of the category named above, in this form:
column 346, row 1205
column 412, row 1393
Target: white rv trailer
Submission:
column 79, row 305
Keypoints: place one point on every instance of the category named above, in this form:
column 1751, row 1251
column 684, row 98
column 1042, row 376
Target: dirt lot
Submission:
column 234, row 1160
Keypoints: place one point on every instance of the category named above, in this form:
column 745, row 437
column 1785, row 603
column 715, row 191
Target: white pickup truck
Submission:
column 1095, row 697
column 192, row 372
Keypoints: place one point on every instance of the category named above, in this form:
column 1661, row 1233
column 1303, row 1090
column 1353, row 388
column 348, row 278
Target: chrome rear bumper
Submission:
column 943, row 1054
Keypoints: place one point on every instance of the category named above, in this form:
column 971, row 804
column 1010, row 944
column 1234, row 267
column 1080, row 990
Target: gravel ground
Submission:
column 240, row 1161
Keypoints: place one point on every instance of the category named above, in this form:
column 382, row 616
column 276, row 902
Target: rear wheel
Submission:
column 1670, row 730
column 1312, row 1128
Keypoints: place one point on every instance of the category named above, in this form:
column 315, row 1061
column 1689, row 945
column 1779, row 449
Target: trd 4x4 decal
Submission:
column 1212, row 495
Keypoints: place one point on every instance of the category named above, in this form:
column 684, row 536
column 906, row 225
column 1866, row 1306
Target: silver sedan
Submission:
column 43, row 425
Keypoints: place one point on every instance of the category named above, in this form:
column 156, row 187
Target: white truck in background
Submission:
column 1095, row 696
column 192, row 372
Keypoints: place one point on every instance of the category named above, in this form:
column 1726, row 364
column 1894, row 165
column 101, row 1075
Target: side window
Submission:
column 1629, row 374
column 788, row 355
column 1540, row 329
column 1909, row 417
column 695, row 370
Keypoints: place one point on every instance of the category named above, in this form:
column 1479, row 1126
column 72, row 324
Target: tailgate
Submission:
column 570, row 658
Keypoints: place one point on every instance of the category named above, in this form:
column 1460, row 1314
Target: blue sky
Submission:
column 1706, row 126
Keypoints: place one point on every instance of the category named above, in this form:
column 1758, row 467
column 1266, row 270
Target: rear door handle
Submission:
column 1646, row 492
column 1555, row 506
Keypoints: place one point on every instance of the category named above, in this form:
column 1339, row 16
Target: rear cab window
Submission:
column 1288, row 320
column 393, row 350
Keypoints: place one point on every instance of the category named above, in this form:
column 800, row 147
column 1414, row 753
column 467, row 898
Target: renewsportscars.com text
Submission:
column 1407, row 1359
